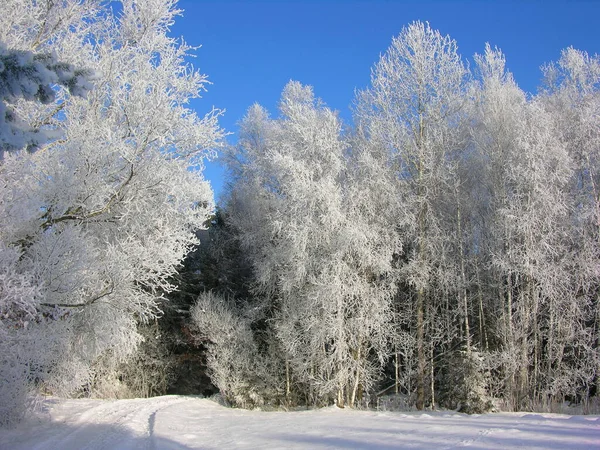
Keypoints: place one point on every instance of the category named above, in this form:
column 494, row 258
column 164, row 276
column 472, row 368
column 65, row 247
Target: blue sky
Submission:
column 251, row 49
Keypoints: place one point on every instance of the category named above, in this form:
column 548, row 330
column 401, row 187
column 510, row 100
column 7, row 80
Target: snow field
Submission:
column 175, row 422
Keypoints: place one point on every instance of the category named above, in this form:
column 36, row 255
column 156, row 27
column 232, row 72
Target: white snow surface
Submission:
column 176, row 422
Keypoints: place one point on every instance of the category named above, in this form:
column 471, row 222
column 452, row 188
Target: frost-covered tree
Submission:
column 319, row 261
column 571, row 95
column 94, row 224
column 414, row 110
column 545, row 350
column 453, row 231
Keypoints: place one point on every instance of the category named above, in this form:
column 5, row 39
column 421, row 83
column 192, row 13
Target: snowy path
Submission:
column 173, row 422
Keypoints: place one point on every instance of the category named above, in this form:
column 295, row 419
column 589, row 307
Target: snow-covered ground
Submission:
column 173, row 422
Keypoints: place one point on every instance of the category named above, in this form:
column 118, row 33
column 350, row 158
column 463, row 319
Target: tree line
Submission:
column 444, row 246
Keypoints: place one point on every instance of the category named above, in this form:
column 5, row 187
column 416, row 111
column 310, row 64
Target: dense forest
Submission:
column 442, row 247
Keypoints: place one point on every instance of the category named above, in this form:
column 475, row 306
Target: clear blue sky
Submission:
column 251, row 49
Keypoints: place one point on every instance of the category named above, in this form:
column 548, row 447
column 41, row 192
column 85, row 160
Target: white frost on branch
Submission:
column 31, row 77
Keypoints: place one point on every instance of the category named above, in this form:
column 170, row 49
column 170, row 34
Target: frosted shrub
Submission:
column 235, row 365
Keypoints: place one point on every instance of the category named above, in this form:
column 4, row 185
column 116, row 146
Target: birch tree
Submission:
column 529, row 171
column 414, row 109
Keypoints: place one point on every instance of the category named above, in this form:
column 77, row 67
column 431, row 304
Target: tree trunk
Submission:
column 356, row 380
column 420, row 351
column 432, row 380
column 396, row 371
column 287, row 382
column 463, row 279
column 483, row 337
column 340, row 397
column 510, row 341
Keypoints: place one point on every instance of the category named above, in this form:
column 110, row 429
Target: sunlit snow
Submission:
column 173, row 422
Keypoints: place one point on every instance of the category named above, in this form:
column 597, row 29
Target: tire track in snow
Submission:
column 110, row 425
column 151, row 421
